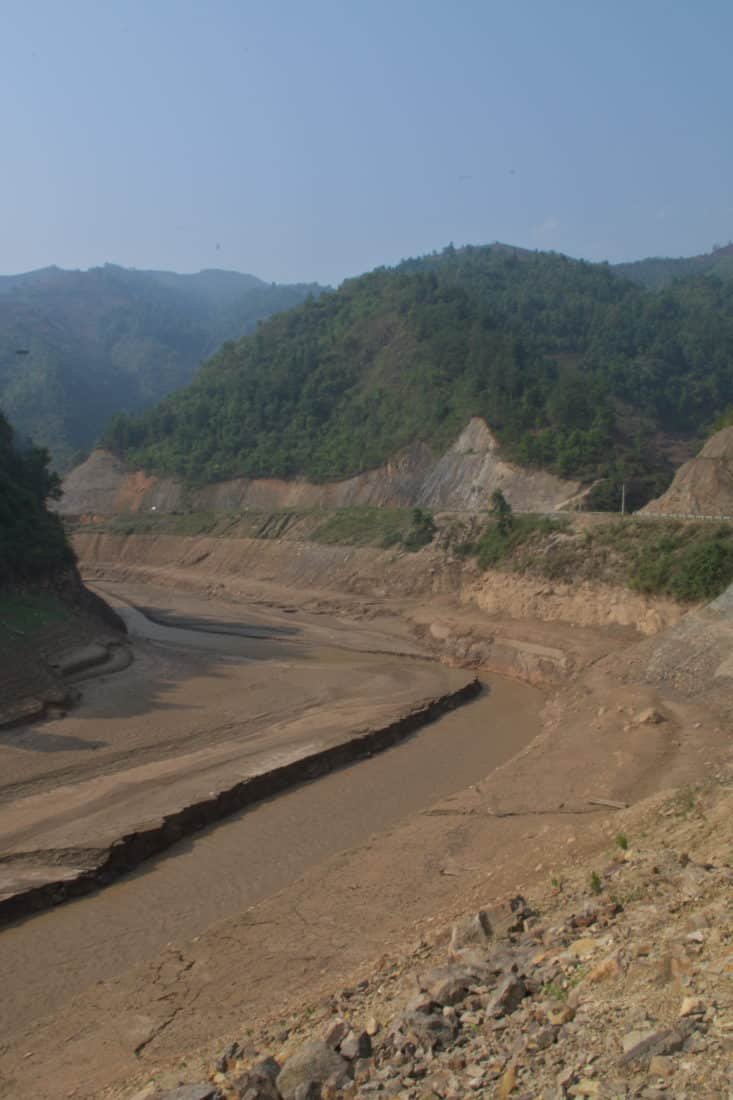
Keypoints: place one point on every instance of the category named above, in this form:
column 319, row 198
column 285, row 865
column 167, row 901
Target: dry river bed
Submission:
column 217, row 688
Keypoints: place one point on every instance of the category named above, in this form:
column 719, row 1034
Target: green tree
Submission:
column 501, row 511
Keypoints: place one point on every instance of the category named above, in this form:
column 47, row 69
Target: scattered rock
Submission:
column 309, row 1090
column 429, row 1030
column 508, row 997
column 508, row 1082
column 692, row 1006
column 526, row 1012
column 585, row 1087
column 661, row 1066
column 649, row 717
column 654, row 1042
column 315, row 1061
column 471, row 932
column 561, row 1015
column 258, row 1083
column 336, row 1031
column 356, row 1045
column 447, row 985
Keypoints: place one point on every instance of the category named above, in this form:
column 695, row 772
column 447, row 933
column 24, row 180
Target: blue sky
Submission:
column 316, row 140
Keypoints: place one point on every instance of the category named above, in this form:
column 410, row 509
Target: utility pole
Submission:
column 623, row 498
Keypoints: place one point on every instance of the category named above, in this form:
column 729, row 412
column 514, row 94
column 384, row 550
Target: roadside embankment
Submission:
column 463, row 477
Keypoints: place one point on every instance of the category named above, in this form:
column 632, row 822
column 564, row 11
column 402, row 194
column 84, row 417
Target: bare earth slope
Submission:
column 256, row 976
column 464, row 477
column 625, row 723
column 704, row 485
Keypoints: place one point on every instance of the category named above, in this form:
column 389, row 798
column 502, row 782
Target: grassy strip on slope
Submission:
column 687, row 561
column 360, row 525
column 364, row 526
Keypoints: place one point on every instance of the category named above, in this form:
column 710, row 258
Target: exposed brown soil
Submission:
column 611, row 981
column 704, row 485
column 464, row 477
column 83, row 800
column 540, row 811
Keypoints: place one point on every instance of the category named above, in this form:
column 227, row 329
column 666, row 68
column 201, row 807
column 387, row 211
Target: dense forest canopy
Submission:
column 657, row 272
column 575, row 369
column 32, row 540
column 78, row 346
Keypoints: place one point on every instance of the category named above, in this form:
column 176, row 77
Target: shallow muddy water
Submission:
column 227, row 868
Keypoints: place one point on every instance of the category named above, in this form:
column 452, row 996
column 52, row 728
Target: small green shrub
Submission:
column 422, row 532
column 596, row 885
column 498, row 543
column 690, row 563
column 622, row 842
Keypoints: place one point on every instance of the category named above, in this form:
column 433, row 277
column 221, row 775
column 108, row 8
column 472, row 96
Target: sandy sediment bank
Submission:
column 505, row 832
column 31, row 880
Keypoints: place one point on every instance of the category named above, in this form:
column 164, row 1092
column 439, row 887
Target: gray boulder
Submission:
column 356, row 1045
column 259, row 1082
column 447, row 985
column 315, row 1061
column 429, row 1030
column 471, row 933
column 507, row 997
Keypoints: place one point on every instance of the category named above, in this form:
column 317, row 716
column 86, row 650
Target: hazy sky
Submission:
column 317, row 139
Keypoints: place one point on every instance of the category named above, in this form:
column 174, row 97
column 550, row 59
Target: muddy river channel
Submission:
column 207, row 676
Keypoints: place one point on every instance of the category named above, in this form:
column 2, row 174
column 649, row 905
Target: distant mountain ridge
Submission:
column 658, row 272
column 577, row 371
column 77, row 347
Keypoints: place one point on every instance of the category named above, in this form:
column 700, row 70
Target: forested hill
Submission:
column 78, row 346
column 32, row 540
column 658, row 272
column 575, row 369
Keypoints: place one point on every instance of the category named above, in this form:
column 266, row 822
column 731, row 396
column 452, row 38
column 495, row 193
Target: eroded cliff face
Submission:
column 462, row 478
column 704, row 485
column 428, row 577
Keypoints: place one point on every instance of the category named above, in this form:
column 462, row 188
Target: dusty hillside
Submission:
column 604, row 971
column 633, row 716
column 704, row 485
column 612, row 983
column 462, row 478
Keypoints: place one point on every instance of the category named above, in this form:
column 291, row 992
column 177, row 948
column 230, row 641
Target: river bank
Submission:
column 242, row 690
column 85, row 799
column 506, row 830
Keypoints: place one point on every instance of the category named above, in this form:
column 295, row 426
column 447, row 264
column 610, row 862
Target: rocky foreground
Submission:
column 618, row 982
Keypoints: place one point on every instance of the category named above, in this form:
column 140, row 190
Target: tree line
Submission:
column 576, row 370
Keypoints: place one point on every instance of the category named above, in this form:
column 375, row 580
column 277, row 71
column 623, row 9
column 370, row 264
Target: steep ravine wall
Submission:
column 522, row 626
column 463, row 478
